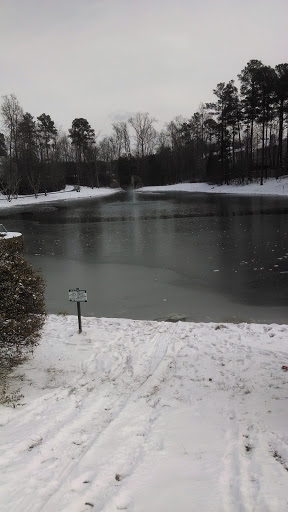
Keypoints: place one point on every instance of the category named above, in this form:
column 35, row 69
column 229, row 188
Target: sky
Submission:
column 107, row 59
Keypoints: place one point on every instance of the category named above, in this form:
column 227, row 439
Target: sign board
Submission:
column 78, row 295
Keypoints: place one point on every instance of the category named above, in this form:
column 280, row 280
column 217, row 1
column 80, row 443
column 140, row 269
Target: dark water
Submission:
column 204, row 257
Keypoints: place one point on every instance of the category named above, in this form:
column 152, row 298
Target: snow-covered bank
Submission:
column 9, row 234
column 270, row 187
column 68, row 193
column 145, row 416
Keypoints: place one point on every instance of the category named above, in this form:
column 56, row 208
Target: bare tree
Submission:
column 145, row 133
column 162, row 140
column 63, row 147
column 9, row 179
column 173, row 130
column 12, row 114
column 107, row 153
column 107, row 149
column 121, row 139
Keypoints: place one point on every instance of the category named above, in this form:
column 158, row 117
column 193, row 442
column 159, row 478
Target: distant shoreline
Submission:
column 271, row 187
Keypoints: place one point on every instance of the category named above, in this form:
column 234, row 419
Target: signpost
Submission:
column 78, row 296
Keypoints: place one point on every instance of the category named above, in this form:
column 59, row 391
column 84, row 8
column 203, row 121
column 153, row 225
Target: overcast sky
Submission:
column 105, row 59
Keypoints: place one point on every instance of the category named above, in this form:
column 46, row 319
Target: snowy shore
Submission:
column 270, row 187
column 67, row 193
column 145, row 416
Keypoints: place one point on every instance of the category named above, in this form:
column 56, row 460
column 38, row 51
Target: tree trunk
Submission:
column 251, row 143
column 280, row 135
column 233, row 148
column 263, row 146
column 266, row 147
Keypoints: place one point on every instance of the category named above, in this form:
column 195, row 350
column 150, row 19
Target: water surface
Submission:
column 149, row 256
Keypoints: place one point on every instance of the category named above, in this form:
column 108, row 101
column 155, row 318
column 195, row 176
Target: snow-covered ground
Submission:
column 270, row 187
column 68, row 193
column 148, row 417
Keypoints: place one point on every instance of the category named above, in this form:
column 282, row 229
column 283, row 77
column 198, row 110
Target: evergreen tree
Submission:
column 249, row 79
column 27, row 134
column 223, row 108
column 281, row 91
column 233, row 116
column 52, row 173
column 265, row 82
column 47, row 133
column 82, row 139
column 28, row 162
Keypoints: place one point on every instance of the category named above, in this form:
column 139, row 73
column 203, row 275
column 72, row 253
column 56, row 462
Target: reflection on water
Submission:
column 220, row 258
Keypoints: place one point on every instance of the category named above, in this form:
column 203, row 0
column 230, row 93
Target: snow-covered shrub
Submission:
column 22, row 307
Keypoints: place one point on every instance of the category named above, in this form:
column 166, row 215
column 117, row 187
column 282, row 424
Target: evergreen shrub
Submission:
column 22, row 306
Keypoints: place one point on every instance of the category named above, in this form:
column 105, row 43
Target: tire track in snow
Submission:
column 63, row 471
column 247, row 460
column 125, row 455
column 232, row 489
column 242, row 490
column 33, row 413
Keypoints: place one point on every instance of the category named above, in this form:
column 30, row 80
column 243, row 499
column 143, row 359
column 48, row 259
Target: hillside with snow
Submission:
column 147, row 416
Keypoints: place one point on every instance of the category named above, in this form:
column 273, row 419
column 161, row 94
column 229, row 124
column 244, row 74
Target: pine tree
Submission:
column 82, row 139
column 281, row 90
column 249, row 79
column 265, row 82
column 28, row 162
column 47, row 133
column 222, row 108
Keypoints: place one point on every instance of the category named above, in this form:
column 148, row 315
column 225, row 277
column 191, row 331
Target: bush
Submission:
column 22, row 307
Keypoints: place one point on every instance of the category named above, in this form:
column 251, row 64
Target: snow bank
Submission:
column 67, row 193
column 9, row 234
column 270, row 187
column 146, row 416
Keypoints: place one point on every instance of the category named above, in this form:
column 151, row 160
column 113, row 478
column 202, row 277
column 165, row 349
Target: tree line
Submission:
column 241, row 136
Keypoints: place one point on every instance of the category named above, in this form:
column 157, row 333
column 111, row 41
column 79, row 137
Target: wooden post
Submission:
column 79, row 317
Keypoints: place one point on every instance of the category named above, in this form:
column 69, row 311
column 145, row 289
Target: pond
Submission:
column 199, row 257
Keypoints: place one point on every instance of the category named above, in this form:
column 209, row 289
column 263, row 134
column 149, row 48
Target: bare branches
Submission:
column 145, row 133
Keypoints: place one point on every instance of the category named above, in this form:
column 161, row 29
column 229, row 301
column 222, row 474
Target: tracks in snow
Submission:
column 89, row 430
column 78, row 447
